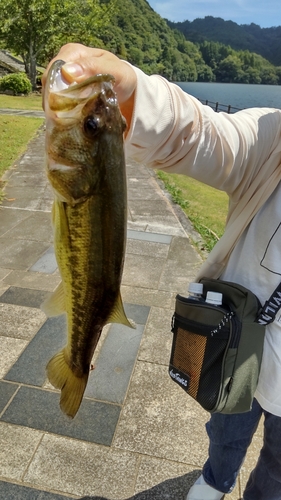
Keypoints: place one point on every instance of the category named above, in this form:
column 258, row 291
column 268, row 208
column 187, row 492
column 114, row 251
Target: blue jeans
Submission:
column 230, row 436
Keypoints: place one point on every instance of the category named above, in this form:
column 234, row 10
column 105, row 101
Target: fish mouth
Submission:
column 63, row 100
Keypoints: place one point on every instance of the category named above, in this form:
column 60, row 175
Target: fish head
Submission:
column 83, row 124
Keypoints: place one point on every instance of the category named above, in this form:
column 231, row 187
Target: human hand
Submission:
column 83, row 62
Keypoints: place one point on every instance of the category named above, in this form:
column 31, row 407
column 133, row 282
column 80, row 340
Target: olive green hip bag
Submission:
column 217, row 350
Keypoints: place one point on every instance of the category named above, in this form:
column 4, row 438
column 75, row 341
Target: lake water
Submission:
column 235, row 94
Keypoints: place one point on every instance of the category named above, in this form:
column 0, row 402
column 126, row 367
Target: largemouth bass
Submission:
column 86, row 168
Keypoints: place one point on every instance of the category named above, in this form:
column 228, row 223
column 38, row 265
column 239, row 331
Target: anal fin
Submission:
column 118, row 314
column 54, row 305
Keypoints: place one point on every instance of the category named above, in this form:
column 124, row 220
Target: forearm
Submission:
column 173, row 131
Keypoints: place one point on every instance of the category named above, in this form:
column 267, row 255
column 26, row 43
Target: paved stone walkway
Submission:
column 136, row 436
column 22, row 112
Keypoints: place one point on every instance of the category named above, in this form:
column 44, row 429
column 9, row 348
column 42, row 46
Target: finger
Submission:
column 76, row 53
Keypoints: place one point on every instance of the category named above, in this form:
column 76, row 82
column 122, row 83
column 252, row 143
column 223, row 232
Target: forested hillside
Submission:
column 141, row 36
column 35, row 30
column 264, row 41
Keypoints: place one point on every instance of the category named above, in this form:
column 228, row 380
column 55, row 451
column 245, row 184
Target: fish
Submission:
column 85, row 166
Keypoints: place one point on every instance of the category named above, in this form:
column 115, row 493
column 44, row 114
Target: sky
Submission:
column 265, row 13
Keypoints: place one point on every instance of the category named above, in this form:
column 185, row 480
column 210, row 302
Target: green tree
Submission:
column 269, row 76
column 230, row 70
column 205, row 73
column 29, row 27
column 253, row 75
column 278, row 74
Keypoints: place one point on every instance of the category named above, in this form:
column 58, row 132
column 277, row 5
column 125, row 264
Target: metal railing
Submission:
column 216, row 106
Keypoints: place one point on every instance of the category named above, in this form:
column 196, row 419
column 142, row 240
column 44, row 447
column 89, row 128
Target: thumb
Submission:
column 72, row 71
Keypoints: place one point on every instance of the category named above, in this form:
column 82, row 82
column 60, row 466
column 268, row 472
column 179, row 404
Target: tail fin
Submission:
column 72, row 387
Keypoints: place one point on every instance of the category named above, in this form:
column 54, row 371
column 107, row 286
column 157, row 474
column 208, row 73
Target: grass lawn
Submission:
column 205, row 207
column 15, row 133
column 32, row 101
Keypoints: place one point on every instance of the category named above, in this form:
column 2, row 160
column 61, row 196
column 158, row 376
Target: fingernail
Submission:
column 72, row 69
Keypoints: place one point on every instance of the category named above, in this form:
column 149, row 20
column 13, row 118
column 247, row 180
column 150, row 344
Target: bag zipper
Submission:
column 205, row 330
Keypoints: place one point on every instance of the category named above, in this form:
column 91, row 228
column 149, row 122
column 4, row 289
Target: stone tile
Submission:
column 137, row 171
column 23, row 297
column 40, row 409
column 35, row 227
column 10, row 218
column 20, row 254
column 9, row 491
column 160, row 479
column 156, row 208
column 20, row 322
column 3, row 288
column 79, row 468
column 150, row 237
column 138, row 313
column 142, row 270
column 9, row 353
column 102, row 338
column 158, row 417
column 23, row 178
column 158, row 223
column 4, row 272
column 7, row 390
column 138, row 247
column 182, row 252
column 145, row 296
column 30, row 368
column 46, row 202
column 129, row 219
column 134, row 226
column 32, row 163
column 135, row 193
column 114, row 365
column 34, row 280
column 22, row 197
column 18, row 445
column 136, row 182
column 47, row 262
column 176, row 277
column 165, row 227
column 157, row 338
column 236, row 493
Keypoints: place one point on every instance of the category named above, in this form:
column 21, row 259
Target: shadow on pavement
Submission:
column 172, row 489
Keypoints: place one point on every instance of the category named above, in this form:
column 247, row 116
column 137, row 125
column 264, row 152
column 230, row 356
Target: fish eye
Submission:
column 91, row 126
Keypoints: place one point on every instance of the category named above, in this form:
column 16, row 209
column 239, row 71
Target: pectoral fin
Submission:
column 118, row 314
column 54, row 305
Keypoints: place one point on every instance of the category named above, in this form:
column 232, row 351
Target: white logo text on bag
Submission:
column 178, row 378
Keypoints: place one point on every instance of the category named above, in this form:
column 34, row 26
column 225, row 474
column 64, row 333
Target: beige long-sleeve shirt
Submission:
column 241, row 155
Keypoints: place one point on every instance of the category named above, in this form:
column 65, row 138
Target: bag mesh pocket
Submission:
column 199, row 357
column 188, row 356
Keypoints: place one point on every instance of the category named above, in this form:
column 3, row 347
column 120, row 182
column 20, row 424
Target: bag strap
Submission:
column 270, row 308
